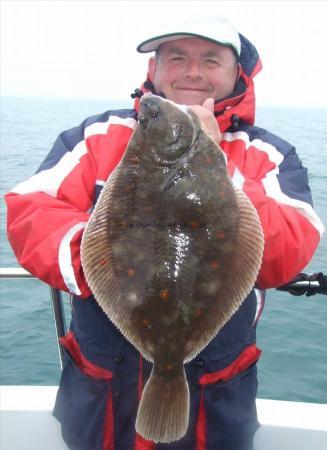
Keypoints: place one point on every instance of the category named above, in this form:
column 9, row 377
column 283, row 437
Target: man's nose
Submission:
column 193, row 70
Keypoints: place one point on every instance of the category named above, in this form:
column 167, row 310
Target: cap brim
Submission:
column 151, row 45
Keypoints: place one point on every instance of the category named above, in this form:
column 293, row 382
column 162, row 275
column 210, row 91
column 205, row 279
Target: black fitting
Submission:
column 235, row 122
column 198, row 363
column 137, row 93
column 118, row 359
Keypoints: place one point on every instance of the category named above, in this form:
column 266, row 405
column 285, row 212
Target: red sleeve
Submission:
column 48, row 212
column 276, row 183
column 39, row 225
column 290, row 238
column 46, row 217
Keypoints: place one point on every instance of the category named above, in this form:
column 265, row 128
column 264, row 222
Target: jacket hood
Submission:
column 240, row 104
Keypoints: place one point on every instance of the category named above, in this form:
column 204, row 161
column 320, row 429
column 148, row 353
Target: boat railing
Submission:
column 303, row 284
column 56, row 300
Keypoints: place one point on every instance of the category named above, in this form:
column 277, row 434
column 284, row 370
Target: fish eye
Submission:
column 175, row 132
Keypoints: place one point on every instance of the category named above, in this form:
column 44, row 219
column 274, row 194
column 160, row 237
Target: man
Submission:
column 212, row 69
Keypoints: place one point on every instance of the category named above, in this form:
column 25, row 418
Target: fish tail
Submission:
column 163, row 412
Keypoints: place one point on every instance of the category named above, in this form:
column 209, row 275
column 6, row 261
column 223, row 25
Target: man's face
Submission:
column 190, row 70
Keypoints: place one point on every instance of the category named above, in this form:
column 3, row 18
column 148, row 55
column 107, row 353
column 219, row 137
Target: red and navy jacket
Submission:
column 103, row 375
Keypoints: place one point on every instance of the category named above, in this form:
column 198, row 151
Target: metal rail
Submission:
column 56, row 300
column 15, row 272
column 315, row 283
column 302, row 284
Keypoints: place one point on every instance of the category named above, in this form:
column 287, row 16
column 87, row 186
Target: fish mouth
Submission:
column 149, row 111
column 143, row 121
column 144, row 118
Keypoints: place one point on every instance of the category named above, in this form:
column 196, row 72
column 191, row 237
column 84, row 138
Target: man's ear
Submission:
column 152, row 64
column 239, row 70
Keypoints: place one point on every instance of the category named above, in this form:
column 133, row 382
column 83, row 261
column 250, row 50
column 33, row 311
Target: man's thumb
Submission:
column 209, row 104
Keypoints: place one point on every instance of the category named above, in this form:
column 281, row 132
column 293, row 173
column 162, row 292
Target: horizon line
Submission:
column 125, row 101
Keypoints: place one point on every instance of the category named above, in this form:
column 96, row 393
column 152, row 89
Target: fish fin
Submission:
column 163, row 412
column 99, row 265
column 250, row 246
column 242, row 275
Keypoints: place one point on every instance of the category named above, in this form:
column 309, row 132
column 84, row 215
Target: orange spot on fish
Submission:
column 103, row 262
column 164, row 294
column 194, row 224
column 220, row 235
column 146, row 322
column 124, row 224
column 221, row 193
column 214, row 264
column 208, row 159
column 134, row 160
column 198, row 312
column 147, row 209
column 129, row 188
column 131, row 272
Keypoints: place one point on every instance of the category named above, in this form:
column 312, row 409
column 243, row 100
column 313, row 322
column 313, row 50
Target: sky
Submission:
column 86, row 49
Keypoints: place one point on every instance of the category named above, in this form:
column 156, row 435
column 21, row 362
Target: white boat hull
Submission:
column 26, row 422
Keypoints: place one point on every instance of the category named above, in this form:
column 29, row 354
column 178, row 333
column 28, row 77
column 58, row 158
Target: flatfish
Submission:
column 170, row 252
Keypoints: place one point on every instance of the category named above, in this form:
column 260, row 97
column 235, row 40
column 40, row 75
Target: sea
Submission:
column 292, row 331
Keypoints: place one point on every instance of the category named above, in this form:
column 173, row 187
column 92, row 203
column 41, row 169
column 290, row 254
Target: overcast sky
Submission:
column 86, row 49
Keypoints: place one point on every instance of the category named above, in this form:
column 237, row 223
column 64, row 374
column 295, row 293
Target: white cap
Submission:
column 220, row 31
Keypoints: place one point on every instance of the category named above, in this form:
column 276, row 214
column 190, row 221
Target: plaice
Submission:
column 170, row 252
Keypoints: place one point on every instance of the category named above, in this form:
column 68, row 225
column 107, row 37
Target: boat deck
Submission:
column 26, row 422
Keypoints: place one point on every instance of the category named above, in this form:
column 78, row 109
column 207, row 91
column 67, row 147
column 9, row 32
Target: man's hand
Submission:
column 205, row 113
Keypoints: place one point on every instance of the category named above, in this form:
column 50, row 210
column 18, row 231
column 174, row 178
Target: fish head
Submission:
column 170, row 129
